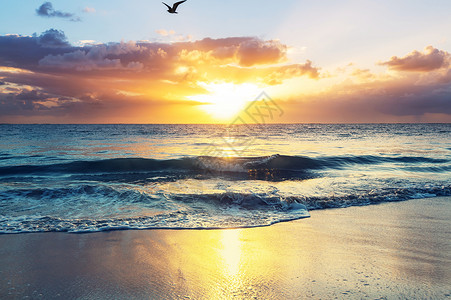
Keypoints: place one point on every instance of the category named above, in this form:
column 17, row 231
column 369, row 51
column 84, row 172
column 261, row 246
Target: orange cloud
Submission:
column 164, row 32
column 365, row 97
column 279, row 74
column 256, row 52
column 100, row 79
column 45, row 79
column 429, row 60
column 364, row 74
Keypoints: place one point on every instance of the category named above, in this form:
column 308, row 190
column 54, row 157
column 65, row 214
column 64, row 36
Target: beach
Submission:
column 388, row 251
column 225, row 150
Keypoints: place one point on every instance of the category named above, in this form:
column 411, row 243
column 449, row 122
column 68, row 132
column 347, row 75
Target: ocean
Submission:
column 89, row 178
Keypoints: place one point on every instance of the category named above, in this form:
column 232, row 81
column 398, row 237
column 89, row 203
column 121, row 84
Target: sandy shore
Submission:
column 389, row 251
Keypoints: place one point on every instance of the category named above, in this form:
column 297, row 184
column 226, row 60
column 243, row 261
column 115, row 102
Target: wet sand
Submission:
column 390, row 251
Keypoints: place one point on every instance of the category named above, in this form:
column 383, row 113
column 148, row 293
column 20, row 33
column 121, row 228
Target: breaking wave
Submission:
column 218, row 164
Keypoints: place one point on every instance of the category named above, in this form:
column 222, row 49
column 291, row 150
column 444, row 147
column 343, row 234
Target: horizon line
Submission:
column 282, row 123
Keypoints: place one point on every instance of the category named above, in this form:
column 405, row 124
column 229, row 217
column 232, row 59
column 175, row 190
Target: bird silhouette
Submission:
column 172, row 10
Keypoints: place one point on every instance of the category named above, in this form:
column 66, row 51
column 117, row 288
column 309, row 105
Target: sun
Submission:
column 224, row 99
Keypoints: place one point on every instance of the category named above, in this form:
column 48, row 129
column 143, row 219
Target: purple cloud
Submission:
column 428, row 60
column 47, row 10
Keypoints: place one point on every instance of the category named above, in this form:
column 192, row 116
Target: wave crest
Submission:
column 200, row 164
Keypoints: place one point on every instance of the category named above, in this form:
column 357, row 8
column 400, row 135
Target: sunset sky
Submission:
column 327, row 61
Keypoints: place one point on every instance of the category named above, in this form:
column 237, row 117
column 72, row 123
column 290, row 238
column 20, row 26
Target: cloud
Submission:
column 81, row 61
column 46, row 77
column 253, row 52
column 53, row 38
column 429, row 60
column 244, row 51
column 393, row 101
column 366, row 97
column 279, row 74
column 164, row 32
column 25, row 101
column 72, row 80
column 25, row 51
column 89, row 10
column 364, row 74
column 51, row 50
column 47, row 10
column 87, row 43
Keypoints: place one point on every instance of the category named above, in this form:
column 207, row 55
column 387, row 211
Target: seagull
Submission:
column 172, row 10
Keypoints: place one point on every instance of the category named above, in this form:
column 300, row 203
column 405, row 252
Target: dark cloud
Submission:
column 428, row 60
column 24, row 102
column 26, row 51
column 38, row 106
column 373, row 102
column 398, row 98
column 81, row 60
column 427, row 100
column 53, row 38
column 47, row 10
column 51, row 50
column 447, row 77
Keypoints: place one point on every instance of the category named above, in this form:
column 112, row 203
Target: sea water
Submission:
column 87, row 178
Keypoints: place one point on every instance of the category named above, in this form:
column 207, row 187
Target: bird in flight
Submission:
column 172, row 10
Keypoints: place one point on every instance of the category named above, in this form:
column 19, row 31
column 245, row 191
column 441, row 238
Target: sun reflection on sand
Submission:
column 231, row 251
column 351, row 253
column 234, row 265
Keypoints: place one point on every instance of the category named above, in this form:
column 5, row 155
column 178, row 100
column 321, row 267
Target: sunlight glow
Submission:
column 226, row 100
column 231, row 251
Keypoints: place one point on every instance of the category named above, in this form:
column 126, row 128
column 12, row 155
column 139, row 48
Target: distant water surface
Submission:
column 83, row 178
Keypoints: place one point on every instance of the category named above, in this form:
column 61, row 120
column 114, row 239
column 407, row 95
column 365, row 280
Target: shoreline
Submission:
column 389, row 250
